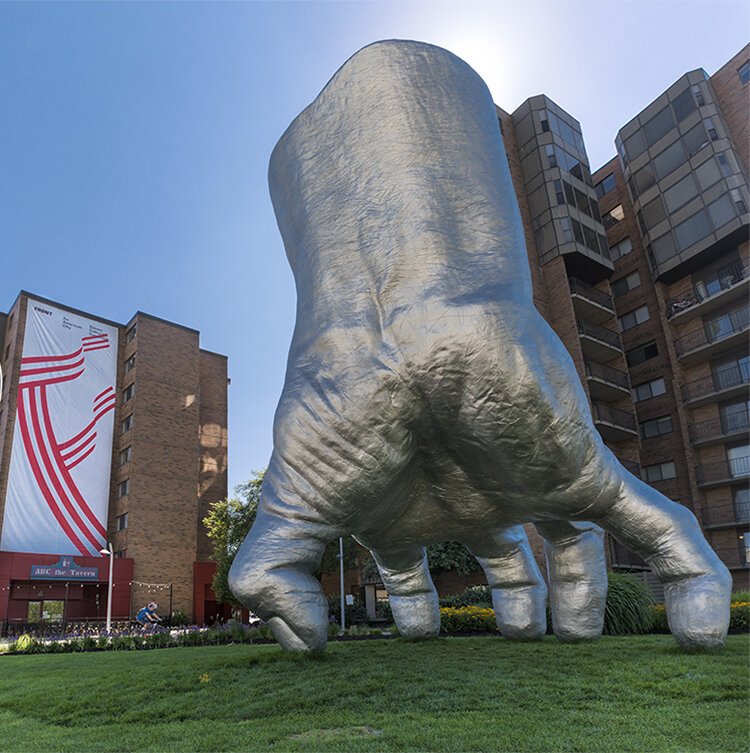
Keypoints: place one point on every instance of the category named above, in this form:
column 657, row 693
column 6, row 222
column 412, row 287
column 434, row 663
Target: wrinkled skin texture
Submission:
column 426, row 399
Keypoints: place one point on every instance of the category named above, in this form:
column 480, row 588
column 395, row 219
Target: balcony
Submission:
column 725, row 515
column 731, row 285
column 613, row 424
column 729, row 471
column 728, row 383
column 589, row 302
column 606, row 383
column 734, row 559
column 715, row 335
column 730, row 426
column 598, row 343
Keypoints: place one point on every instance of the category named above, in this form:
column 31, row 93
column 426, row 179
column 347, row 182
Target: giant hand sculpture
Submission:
column 426, row 399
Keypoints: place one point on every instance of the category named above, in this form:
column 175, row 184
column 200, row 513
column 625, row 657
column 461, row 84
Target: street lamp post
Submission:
column 341, row 584
column 110, row 552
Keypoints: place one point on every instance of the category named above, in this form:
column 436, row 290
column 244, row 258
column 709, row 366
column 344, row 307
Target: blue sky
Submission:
column 135, row 137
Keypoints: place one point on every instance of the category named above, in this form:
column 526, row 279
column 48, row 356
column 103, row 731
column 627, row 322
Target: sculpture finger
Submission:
column 697, row 585
column 577, row 575
column 272, row 576
column 519, row 594
column 411, row 592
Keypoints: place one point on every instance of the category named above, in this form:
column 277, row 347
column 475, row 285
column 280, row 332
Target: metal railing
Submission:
column 713, row 287
column 599, row 333
column 733, row 557
column 578, row 287
column 714, row 331
column 607, row 414
column 607, row 374
column 719, row 427
column 722, row 380
column 725, row 514
column 729, row 469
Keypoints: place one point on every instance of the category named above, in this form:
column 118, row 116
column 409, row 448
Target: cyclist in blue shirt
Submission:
column 147, row 615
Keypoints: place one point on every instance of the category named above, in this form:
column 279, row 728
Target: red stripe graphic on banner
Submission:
column 73, row 488
column 103, row 392
column 56, row 380
column 47, row 462
column 86, row 429
column 82, row 458
column 52, row 369
column 88, row 348
column 44, row 359
column 67, row 455
column 102, row 403
column 103, row 336
column 39, row 476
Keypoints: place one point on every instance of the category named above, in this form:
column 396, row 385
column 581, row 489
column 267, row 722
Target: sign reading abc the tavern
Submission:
column 64, row 569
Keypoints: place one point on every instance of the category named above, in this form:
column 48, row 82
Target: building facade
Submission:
column 138, row 476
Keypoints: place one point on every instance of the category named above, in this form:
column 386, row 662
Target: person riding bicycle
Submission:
column 147, row 615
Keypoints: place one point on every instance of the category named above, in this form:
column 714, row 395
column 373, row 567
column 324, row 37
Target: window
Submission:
column 652, row 214
column 624, row 284
column 642, row 180
column 605, row 185
column 698, row 94
column 635, row 145
column 692, row 230
column 732, row 372
column 669, row 160
column 124, row 488
column 662, row 248
column 680, row 193
column 131, row 333
column 127, row 424
column 122, row 522
column 744, row 72
column 738, row 459
column 613, row 216
column 739, row 202
column 683, row 104
column 642, row 353
column 655, row 427
column 734, row 416
column 551, row 157
column 125, row 455
column 658, row 472
column 661, row 124
column 120, row 553
column 647, row 390
column 721, row 211
column 707, row 174
column 130, row 363
column 633, row 318
column 726, row 168
column 623, row 248
column 128, row 392
column 695, row 139
column 566, row 229
column 742, row 503
column 713, row 134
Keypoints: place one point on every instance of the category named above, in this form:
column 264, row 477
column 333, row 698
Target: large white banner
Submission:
column 58, row 488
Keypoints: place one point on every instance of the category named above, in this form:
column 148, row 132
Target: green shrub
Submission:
column 629, row 608
column 178, row 618
column 467, row 619
column 473, row 596
column 353, row 613
column 739, row 614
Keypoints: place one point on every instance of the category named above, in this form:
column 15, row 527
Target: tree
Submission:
column 227, row 523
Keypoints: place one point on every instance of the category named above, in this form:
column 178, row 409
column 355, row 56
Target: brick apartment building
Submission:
column 157, row 446
column 642, row 270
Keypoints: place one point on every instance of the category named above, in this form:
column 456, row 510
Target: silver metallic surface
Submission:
column 426, row 399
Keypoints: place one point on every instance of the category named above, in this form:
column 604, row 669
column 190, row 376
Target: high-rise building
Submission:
column 678, row 196
column 110, row 435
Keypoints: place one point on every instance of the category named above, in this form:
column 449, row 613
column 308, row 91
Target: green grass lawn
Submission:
column 450, row 694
